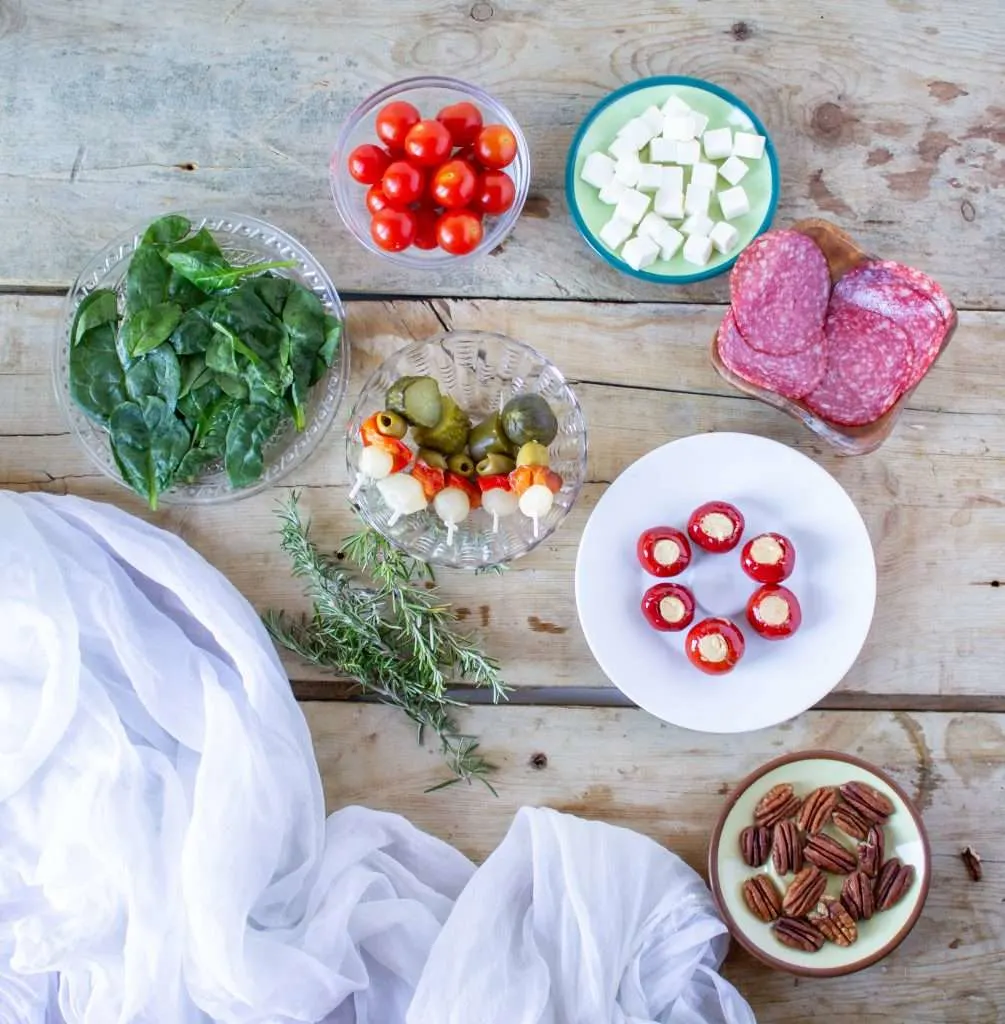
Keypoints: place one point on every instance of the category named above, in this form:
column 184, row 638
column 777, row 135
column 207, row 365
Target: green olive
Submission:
column 461, row 463
column 495, row 464
column 390, row 424
column 435, row 459
column 532, row 454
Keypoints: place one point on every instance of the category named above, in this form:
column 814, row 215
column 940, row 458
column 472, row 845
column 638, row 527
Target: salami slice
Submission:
column 780, row 286
column 868, row 362
column 924, row 284
column 880, row 287
column 791, row 376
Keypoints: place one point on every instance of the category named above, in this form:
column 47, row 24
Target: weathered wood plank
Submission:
column 626, row 768
column 886, row 117
column 932, row 496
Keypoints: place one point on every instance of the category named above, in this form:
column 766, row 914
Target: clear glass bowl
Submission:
column 428, row 94
column 244, row 240
column 480, row 371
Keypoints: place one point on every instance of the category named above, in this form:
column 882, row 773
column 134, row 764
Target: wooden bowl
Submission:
column 842, row 255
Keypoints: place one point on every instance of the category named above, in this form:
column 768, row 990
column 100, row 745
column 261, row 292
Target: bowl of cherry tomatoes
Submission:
column 430, row 171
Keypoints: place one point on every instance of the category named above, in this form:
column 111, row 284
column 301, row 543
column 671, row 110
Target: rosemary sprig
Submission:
column 374, row 620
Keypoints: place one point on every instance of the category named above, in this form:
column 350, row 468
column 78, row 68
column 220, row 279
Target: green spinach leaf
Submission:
column 193, row 333
column 330, row 349
column 151, row 327
column 248, row 318
column 233, row 386
column 214, row 273
column 183, row 292
column 148, row 442
column 304, row 318
column 100, row 307
column 146, row 280
column 97, row 384
column 249, row 430
column 194, row 373
column 273, row 291
column 194, row 464
column 211, row 432
column 221, row 353
column 202, row 241
column 194, row 404
column 155, row 375
column 166, row 230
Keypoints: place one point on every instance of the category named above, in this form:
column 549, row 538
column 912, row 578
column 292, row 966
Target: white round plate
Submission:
column 777, row 489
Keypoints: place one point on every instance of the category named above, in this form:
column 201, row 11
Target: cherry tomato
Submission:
column 462, row 120
column 433, row 480
column 453, row 184
column 495, row 146
column 375, row 199
column 714, row 646
column 467, row 154
column 495, row 192
column 668, row 607
column 458, row 232
column 774, row 612
column 427, row 143
column 768, row 558
column 425, row 228
column 394, row 122
column 402, row 183
column 716, row 526
column 663, row 551
column 393, row 230
column 367, row 163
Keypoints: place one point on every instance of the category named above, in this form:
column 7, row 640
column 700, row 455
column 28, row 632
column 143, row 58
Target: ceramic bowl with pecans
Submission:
column 820, row 864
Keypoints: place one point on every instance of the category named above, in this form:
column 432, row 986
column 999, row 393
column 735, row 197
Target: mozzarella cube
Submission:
column 748, row 145
column 636, row 132
column 612, row 192
column 663, row 151
column 673, row 178
column 697, row 199
column 734, row 203
column 623, row 148
column 627, row 170
column 669, row 202
column 705, row 175
column 733, row 170
column 615, row 231
column 698, row 249
column 653, row 118
column 675, row 107
column 598, row 170
column 724, row 237
column 699, row 122
column 697, row 224
column 740, row 119
column 678, row 127
column 652, row 226
column 670, row 241
column 632, row 206
column 650, row 178
column 688, row 152
column 640, row 252
column 718, row 143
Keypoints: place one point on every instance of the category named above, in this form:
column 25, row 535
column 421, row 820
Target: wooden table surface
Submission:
column 888, row 118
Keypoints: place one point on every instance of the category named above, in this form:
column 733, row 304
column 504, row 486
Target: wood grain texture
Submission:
column 887, row 116
column 932, row 496
column 624, row 767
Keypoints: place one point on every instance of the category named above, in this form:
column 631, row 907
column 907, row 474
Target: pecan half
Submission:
column 850, row 821
column 755, row 844
column 798, row 934
column 834, row 922
column 787, row 848
column 857, row 896
column 803, row 892
column 817, row 809
column 829, row 855
column 874, row 806
column 894, row 880
column 762, row 897
column 972, row 862
column 870, row 853
column 779, row 802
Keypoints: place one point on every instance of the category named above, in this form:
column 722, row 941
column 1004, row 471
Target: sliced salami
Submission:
column 881, row 287
column 780, row 286
column 868, row 363
column 924, row 284
column 792, row 376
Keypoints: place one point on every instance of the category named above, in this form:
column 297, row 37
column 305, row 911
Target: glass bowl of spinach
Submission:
column 201, row 357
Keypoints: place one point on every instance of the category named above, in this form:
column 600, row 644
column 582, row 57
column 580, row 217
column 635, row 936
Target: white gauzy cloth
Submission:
column 165, row 859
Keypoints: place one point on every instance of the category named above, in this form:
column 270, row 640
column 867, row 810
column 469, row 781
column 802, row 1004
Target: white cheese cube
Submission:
column 740, row 119
column 673, row 178
column 698, row 249
column 734, row 203
column 663, row 151
column 697, row 224
column 718, row 143
column 652, row 226
column 680, row 128
column 724, row 237
column 612, row 192
column 699, row 122
column 632, row 206
column 653, row 118
column 697, row 199
column 640, row 252
column 669, row 202
column 688, row 152
column 749, row 146
column 627, row 170
column 705, row 175
column 670, row 241
column 623, row 148
column 650, row 178
column 636, row 132
column 733, row 170
column 598, row 170
column 675, row 107
column 615, row 231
